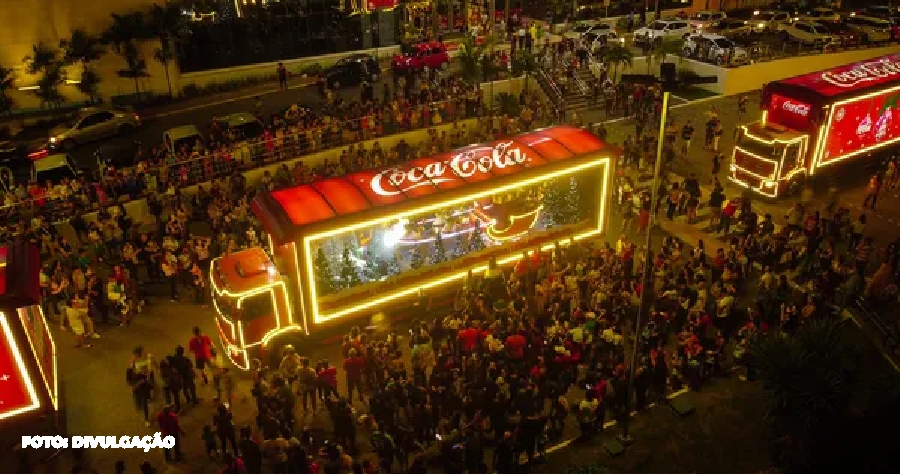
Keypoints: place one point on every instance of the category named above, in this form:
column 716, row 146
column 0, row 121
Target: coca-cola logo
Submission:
column 863, row 72
column 793, row 107
column 462, row 165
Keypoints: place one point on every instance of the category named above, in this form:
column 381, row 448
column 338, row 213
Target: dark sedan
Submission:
column 352, row 70
column 844, row 36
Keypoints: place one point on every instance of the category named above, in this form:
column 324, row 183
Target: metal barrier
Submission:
column 266, row 150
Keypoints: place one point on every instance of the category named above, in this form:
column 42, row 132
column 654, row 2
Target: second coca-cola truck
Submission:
column 815, row 121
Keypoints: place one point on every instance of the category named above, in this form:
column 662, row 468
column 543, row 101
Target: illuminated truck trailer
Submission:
column 815, row 121
column 355, row 244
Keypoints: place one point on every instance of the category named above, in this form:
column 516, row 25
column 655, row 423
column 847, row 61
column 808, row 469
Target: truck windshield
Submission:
column 257, row 306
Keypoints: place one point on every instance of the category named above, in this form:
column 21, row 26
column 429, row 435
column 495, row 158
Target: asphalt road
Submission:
column 274, row 100
column 98, row 401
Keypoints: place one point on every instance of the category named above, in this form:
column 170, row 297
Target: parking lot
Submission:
column 770, row 35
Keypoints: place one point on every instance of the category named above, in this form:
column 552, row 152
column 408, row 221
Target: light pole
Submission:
column 644, row 306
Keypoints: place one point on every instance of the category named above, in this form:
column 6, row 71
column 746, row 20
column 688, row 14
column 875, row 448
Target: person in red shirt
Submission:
column 168, row 424
column 327, row 375
column 468, row 338
column 201, row 346
column 354, row 365
column 515, row 347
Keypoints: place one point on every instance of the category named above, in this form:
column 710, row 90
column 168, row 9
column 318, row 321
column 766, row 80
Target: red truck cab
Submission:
column 432, row 55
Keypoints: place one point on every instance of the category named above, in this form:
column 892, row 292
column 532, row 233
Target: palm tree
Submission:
column 124, row 35
column 47, row 61
column 170, row 28
column 810, row 379
column 471, row 57
column 524, row 63
column 663, row 49
column 617, row 54
column 7, row 83
column 82, row 48
column 135, row 66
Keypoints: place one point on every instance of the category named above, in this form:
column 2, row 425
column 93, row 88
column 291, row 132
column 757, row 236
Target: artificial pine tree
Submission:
column 416, row 259
column 324, row 278
column 371, row 270
column 393, row 266
column 349, row 275
column 462, row 245
column 440, row 253
column 561, row 201
column 476, row 241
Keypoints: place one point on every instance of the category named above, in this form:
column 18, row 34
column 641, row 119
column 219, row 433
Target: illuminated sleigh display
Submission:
column 349, row 245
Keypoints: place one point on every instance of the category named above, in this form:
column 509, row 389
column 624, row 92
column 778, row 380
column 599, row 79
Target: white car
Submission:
column 660, row 29
column 821, row 15
column 807, row 33
column 704, row 19
column 714, row 48
column 770, row 21
column 597, row 41
column 579, row 31
column 870, row 29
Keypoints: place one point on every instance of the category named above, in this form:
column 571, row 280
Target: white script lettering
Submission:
column 462, row 165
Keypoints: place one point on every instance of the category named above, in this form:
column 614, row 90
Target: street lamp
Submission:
column 644, row 305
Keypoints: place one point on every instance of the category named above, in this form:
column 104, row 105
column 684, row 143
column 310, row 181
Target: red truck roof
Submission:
column 841, row 82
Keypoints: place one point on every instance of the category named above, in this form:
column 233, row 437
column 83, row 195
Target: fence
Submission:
column 135, row 183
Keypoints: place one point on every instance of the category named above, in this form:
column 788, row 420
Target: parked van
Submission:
column 185, row 136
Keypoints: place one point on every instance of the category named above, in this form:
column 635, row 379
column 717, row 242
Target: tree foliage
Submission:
column 322, row 270
column 47, row 62
column 617, row 54
column 7, row 84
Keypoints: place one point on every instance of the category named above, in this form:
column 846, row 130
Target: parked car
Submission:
column 660, row 29
column 579, row 31
column 704, row 19
column 807, row 32
column 598, row 41
column 54, row 168
column 115, row 157
column 185, row 136
column 881, row 11
column 844, row 36
column 870, row 29
column 352, row 70
column 92, row 124
column 244, row 125
column 16, row 159
column 770, row 21
column 714, row 48
column 432, row 55
column 821, row 15
column 732, row 27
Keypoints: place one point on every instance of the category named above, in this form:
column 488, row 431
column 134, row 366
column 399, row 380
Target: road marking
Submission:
column 611, row 423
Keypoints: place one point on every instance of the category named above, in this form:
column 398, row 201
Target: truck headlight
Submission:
column 52, row 139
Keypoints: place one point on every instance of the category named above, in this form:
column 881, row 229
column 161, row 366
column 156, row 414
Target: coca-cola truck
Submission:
column 813, row 122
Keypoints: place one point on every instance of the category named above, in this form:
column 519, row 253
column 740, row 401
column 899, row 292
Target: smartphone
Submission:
column 587, row 387
column 438, row 437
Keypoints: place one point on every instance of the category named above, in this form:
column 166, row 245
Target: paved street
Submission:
column 99, row 402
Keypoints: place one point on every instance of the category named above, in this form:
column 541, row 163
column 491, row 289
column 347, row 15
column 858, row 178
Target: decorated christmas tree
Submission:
column 462, row 245
column 416, row 259
column 440, row 253
column 476, row 239
column 561, row 201
column 349, row 275
column 372, row 270
column 393, row 266
column 324, row 278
